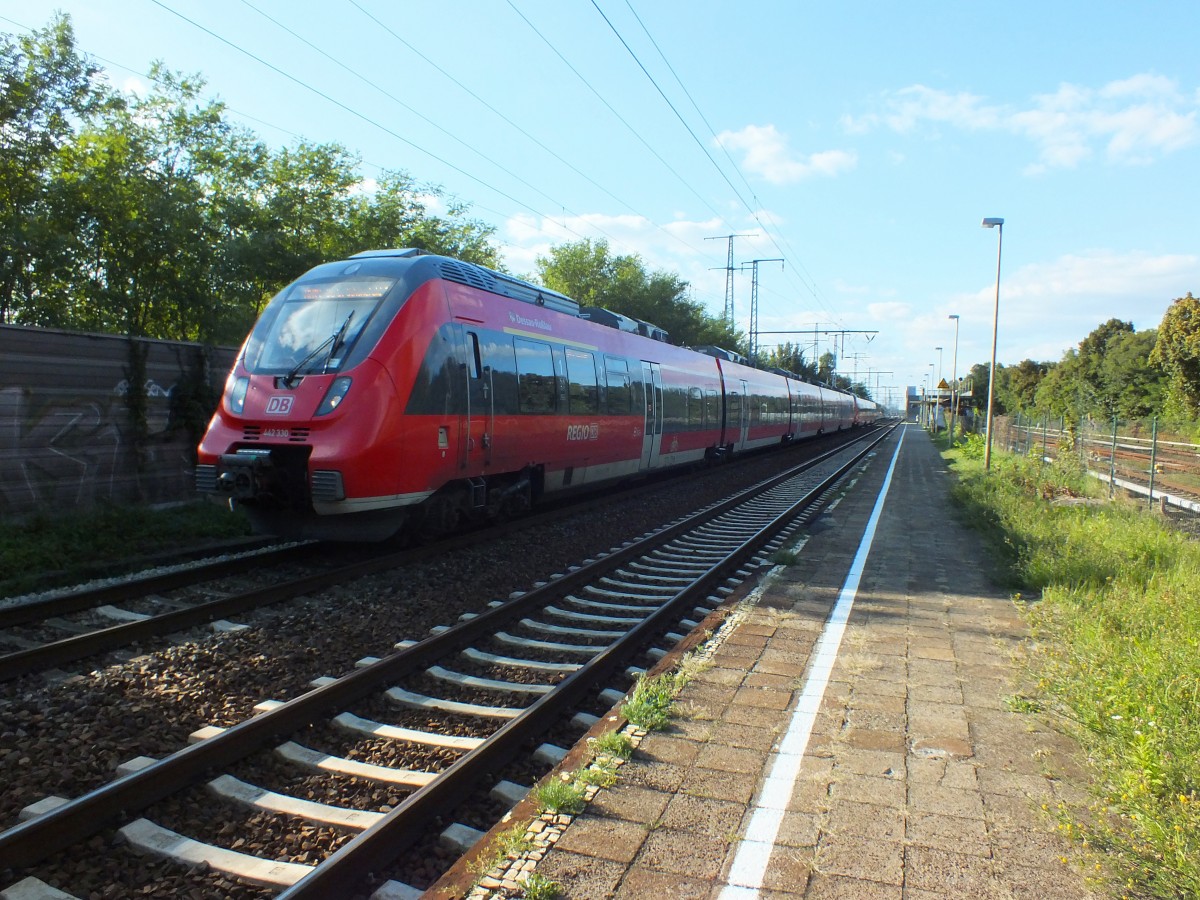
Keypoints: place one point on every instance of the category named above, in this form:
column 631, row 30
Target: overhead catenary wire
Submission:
column 361, row 115
column 519, row 129
column 372, row 84
column 115, row 64
column 695, row 106
column 309, row 85
column 614, row 111
column 754, row 212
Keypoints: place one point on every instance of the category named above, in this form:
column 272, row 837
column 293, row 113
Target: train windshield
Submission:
column 315, row 325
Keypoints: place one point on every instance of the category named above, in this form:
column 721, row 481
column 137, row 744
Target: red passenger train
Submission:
column 398, row 389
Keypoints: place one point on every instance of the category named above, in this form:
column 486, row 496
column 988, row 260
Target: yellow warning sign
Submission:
column 942, row 386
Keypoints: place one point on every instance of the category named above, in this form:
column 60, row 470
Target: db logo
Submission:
column 279, row 406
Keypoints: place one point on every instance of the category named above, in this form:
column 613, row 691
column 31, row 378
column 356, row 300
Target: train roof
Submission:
column 421, row 265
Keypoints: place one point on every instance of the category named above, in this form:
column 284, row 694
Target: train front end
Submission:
column 300, row 440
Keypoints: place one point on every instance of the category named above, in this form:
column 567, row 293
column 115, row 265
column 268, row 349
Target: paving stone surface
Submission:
column 917, row 781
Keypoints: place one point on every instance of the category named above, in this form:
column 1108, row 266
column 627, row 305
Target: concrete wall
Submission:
column 67, row 441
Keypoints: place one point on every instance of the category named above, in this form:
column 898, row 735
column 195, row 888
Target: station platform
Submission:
column 854, row 735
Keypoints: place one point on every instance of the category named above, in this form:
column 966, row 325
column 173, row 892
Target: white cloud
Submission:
column 1133, row 121
column 136, row 86
column 1096, row 274
column 893, row 311
column 766, row 154
column 677, row 246
column 1047, row 308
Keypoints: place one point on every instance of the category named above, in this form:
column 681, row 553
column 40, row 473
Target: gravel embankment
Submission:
column 66, row 738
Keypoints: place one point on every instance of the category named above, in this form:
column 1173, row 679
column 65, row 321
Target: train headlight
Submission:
column 335, row 395
column 236, row 396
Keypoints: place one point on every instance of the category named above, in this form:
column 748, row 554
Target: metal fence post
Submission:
column 1112, row 463
column 1153, row 455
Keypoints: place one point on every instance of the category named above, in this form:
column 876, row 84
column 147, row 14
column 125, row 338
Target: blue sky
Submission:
column 863, row 143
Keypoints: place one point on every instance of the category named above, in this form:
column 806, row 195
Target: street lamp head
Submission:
column 992, row 223
column 952, row 316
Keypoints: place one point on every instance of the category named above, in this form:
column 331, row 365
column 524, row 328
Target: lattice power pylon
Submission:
column 753, row 264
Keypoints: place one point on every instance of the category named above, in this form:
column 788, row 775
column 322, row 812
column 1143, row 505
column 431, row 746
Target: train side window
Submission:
column 695, row 409
column 620, row 394
column 583, row 390
column 674, row 408
column 497, row 354
column 710, row 409
column 474, row 366
column 537, row 388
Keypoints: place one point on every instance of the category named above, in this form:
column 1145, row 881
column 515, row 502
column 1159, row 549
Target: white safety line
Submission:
column 750, row 863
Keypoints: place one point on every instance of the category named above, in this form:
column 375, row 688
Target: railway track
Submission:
column 1139, row 464
column 76, row 625
column 461, row 705
column 94, row 623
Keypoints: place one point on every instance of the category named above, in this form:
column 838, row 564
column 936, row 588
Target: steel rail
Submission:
column 33, row 840
column 379, row 845
column 67, row 650
column 71, row 649
column 77, row 601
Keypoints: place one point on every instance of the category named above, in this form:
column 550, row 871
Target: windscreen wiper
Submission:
column 332, row 342
column 338, row 339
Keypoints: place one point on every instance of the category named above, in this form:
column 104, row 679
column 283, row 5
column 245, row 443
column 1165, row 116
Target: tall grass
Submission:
column 46, row 551
column 1113, row 597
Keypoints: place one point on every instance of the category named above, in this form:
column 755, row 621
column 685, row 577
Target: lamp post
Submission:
column 954, row 379
column 938, row 389
column 929, row 399
column 998, row 224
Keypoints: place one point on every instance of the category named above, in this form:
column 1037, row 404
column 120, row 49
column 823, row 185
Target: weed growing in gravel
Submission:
column 512, row 843
column 1118, row 653
column 649, row 706
column 86, row 545
column 560, row 795
column 509, row 844
column 602, row 773
column 612, row 743
column 539, row 887
column 784, row 557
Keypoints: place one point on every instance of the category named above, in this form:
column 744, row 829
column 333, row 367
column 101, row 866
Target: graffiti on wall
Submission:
column 61, row 453
column 67, row 437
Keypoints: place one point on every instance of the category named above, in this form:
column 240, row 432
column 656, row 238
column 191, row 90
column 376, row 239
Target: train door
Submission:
column 737, row 422
column 479, row 421
column 745, row 430
column 652, row 432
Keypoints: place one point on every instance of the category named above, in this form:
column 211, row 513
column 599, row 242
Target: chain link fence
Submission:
column 1145, row 458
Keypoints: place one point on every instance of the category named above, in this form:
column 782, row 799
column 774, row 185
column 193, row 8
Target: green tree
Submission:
column 1177, row 351
column 1110, row 374
column 396, row 214
column 1064, row 392
column 301, row 205
column 46, row 88
column 977, row 378
column 1131, row 386
column 141, row 194
column 1016, row 386
column 825, row 366
column 790, row 358
column 588, row 272
column 1092, row 351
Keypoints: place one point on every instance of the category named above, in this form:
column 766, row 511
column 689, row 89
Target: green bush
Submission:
column 1117, row 651
column 46, row 552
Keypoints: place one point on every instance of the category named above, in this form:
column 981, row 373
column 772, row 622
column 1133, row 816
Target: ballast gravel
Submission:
column 67, row 737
